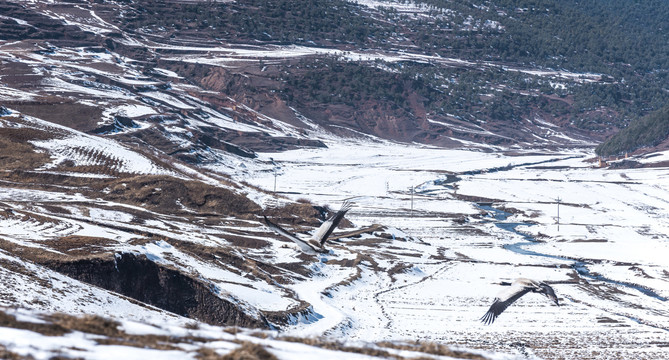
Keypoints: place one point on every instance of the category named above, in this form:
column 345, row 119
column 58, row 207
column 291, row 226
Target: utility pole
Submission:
column 275, row 175
column 411, row 200
column 558, row 213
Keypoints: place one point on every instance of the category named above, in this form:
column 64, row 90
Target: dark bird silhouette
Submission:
column 520, row 287
column 317, row 241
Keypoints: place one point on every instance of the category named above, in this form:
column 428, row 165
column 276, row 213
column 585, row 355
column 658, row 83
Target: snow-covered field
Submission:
column 429, row 278
column 608, row 257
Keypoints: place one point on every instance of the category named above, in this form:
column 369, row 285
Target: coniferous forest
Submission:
column 626, row 43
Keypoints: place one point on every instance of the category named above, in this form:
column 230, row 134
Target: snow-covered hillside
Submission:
column 428, row 272
column 136, row 170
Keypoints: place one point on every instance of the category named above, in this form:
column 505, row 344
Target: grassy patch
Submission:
column 16, row 153
column 175, row 195
column 432, row 349
column 64, row 112
column 248, row 351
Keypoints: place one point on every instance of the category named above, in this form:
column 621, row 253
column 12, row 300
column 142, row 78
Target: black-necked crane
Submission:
column 317, row 241
column 519, row 287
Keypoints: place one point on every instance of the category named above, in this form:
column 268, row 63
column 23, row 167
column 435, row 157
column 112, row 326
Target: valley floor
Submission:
column 607, row 257
column 433, row 233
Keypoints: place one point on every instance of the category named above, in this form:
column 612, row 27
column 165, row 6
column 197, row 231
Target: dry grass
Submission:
column 372, row 229
column 45, row 257
column 56, row 209
column 358, row 273
column 39, row 180
column 16, row 153
column 316, row 342
column 213, row 254
column 206, row 353
column 42, row 328
column 302, row 214
column 247, row 242
column 90, row 324
column 399, row 268
column 171, row 195
column 61, row 324
column 63, row 111
column 432, row 349
column 248, row 351
column 111, row 334
column 281, row 317
column 8, row 355
column 19, row 268
column 231, row 260
column 80, row 246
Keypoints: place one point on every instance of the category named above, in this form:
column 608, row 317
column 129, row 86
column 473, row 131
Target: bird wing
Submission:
column 550, row 293
column 281, row 231
column 503, row 301
column 326, row 228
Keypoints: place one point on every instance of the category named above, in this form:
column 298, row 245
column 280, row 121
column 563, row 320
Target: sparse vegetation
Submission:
column 249, row 351
column 173, row 194
column 109, row 332
column 9, row 355
column 16, row 152
column 432, row 349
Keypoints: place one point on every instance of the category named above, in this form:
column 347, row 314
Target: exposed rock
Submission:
column 146, row 281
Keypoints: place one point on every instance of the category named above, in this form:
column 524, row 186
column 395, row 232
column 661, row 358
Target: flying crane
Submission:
column 519, row 287
column 317, row 241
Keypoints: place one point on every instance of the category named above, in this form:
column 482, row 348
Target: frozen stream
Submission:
column 580, row 266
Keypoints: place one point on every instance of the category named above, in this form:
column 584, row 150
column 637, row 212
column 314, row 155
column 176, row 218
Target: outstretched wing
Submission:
column 550, row 293
column 281, row 231
column 501, row 303
column 328, row 226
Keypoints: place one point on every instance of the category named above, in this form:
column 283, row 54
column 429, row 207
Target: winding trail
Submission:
column 404, row 286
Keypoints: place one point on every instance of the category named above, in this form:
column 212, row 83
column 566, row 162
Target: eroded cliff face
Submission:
column 148, row 282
